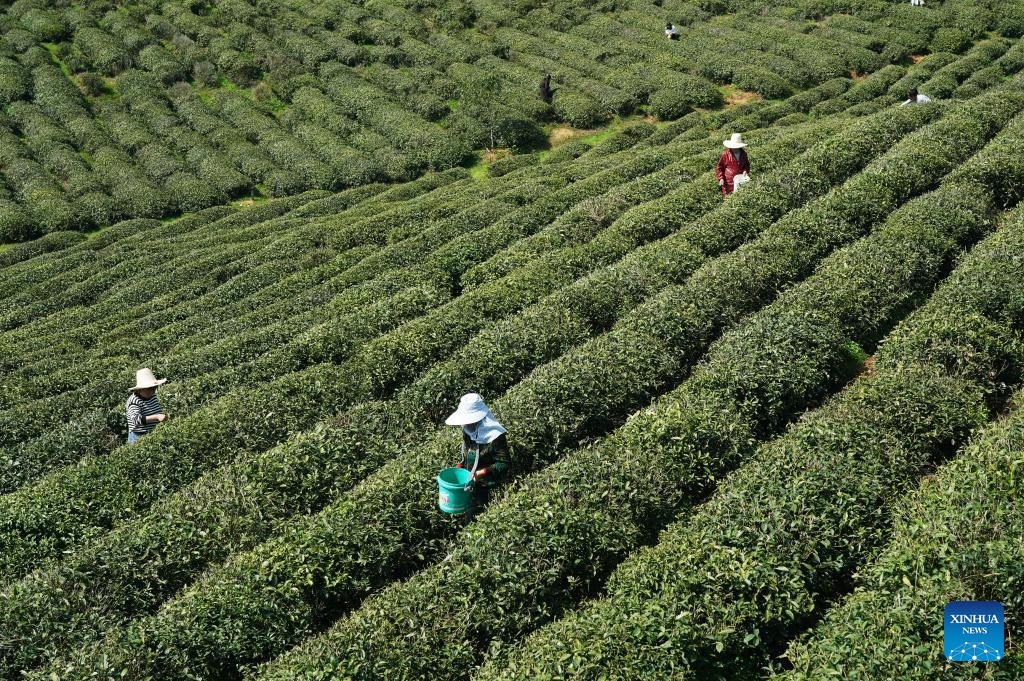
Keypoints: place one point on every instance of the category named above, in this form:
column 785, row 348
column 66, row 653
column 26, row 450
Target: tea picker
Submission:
column 546, row 93
column 732, row 164
column 485, row 459
column 914, row 97
column 143, row 410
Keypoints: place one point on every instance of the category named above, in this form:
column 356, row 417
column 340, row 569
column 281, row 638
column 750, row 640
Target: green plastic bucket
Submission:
column 452, row 495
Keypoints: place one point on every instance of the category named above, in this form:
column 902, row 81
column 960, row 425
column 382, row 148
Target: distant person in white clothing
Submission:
column 914, row 97
column 917, row 3
column 670, row 31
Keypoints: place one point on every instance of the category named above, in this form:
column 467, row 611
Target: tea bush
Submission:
column 766, row 583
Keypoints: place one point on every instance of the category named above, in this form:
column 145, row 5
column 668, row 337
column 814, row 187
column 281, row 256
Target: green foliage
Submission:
column 669, row 104
column 567, row 151
column 614, row 308
column 546, row 390
column 948, row 39
column 482, row 106
column 579, row 110
column 15, row 81
column 761, row 81
column 914, row 573
column 813, row 496
column 1010, row 19
column 508, row 164
column 581, row 514
column 293, row 98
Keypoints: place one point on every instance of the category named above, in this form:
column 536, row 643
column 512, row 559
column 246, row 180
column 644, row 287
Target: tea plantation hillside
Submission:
column 762, row 435
column 152, row 109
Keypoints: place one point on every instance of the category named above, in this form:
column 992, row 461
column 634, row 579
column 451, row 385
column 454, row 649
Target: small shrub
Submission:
column 190, row 193
column 15, row 81
column 55, row 214
column 92, row 84
column 761, row 81
column 791, row 119
column 15, row 223
column 578, row 109
column 204, row 73
column 1010, row 20
column 568, row 151
column 506, row 165
column 949, row 40
column 98, row 209
column 669, row 104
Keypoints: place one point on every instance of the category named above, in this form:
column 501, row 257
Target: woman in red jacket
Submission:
column 731, row 163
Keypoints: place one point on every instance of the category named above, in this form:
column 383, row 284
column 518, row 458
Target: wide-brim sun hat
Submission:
column 735, row 142
column 471, row 409
column 144, row 378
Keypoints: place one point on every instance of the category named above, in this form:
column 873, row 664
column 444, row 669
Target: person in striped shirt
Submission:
column 143, row 409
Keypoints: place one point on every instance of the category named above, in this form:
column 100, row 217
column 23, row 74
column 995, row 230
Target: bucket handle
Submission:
column 476, row 462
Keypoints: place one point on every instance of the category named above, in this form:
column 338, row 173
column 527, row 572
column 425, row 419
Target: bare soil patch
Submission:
column 739, row 97
column 491, row 155
column 869, row 367
column 561, row 134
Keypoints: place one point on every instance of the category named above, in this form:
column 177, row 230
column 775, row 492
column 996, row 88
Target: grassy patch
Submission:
column 557, row 135
column 855, row 359
column 560, row 133
column 478, row 169
column 52, row 49
column 224, row 84
column 277, row 105
column 110, row 89
column 736, row 97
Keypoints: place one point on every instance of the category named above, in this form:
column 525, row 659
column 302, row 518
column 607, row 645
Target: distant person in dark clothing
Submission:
column 670, row 31
column 731, row 163
column 484, row 449
column 143, row 409
column 545, row 89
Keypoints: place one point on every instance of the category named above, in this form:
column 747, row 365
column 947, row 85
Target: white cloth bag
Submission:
column 739, row 180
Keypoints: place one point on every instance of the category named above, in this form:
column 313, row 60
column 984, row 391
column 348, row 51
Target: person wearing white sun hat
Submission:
column 143, row 409
column 731, row 163
column 484, row 448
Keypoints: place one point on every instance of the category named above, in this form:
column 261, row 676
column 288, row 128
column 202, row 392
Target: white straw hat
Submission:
column 735, row 142
column 471, row 409
column 144, row 378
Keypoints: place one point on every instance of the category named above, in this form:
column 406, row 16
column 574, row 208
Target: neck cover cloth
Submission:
column 485, row 431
